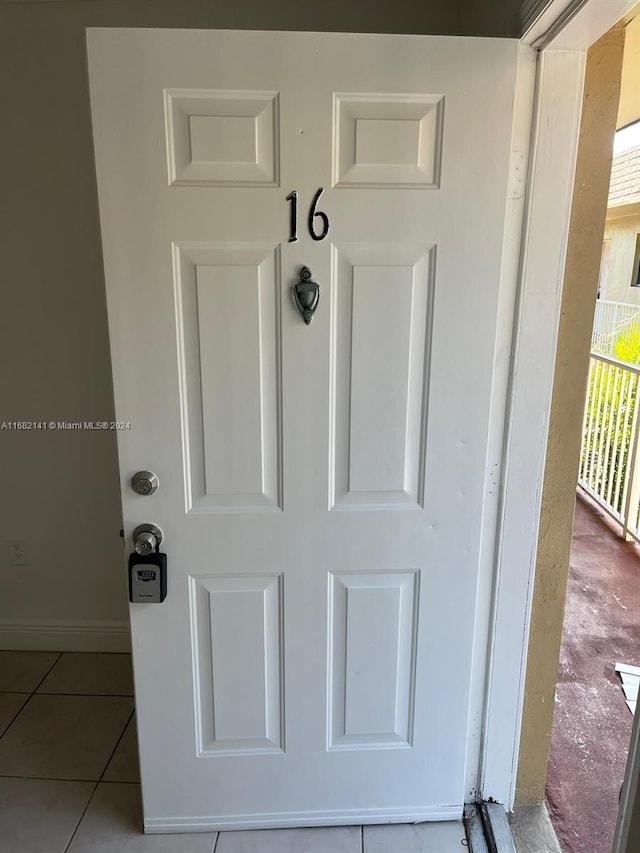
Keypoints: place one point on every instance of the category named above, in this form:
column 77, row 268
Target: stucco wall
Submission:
column 622, row 233
column 629, row 106
column 599, row 109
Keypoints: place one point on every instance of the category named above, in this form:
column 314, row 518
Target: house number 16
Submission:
column 313, row 213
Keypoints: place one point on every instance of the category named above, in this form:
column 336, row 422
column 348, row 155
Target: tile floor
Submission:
column 69, row 780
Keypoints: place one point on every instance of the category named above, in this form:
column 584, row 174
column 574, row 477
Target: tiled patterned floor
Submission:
column 69, row 779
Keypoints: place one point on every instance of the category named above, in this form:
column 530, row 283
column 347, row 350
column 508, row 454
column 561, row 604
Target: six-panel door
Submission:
column 321, row 485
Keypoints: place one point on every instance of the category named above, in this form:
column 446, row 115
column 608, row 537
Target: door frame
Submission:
column 561, row 37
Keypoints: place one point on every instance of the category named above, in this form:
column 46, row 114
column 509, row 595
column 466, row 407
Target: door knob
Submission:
column 144, row 483
column 146, row 539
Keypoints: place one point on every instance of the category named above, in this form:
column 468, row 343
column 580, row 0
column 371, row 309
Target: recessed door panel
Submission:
column 228, row 324
column 218, row 137
column 382, row 325
column 238, row 662
column 387, row 140
column 372, row 645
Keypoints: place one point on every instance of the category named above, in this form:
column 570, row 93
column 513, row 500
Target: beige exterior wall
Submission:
column 623, row 234
column 629, row 106
column 561, row 466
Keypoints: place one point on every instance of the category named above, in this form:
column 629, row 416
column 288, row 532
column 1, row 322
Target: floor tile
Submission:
column 113, row 824
column 124, row 767
column 432, row 837
column 326, row 839
column 64, row 737
column 21, row 672
column 10, row 704
column 90, row 673
column 38, row 815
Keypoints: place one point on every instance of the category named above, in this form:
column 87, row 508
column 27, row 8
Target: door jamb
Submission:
column 560, row 77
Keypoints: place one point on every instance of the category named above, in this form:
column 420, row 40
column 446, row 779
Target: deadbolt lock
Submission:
column 144, row 483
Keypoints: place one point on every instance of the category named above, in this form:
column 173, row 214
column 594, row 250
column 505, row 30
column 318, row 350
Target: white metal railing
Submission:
column 610, row 459
column 609, row 320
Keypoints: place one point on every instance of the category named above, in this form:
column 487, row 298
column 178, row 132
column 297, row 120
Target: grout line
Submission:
column 114, row 750
column 46, row 778
column 101, row 695
column 23, row 708
column 84, row 811
column 17, row 713
column 47, row 672
column 78, row 652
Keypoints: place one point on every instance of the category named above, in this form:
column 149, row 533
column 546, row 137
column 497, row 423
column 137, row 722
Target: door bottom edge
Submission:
column 340, row 817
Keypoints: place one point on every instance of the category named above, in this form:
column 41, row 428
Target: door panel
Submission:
column 216, row 138
column 372, row 630
column 387, row 140
column 238, row 661
column 382, row 323
column 228, row 299
column 321, row 486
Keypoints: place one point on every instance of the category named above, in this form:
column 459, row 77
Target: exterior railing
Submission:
column 610, row 458
column 609, row 320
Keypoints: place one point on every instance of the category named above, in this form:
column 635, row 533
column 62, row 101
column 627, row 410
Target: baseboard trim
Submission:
column 343, row 817
column 49, row 635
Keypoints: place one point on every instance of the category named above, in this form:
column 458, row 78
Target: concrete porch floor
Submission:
column 592, row 724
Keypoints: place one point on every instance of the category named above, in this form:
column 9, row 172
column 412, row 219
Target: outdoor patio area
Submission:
column 592, row 723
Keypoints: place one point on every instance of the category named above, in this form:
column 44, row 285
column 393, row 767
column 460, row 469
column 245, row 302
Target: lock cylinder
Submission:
column 146, row 539
column 144, row 483
column 145, row 543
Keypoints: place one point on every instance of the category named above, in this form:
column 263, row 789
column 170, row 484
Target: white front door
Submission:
column 321, row 486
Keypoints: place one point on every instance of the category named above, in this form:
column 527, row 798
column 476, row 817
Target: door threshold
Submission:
column 487, row 828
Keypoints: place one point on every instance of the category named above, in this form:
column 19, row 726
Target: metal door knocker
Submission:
column 306, row 294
